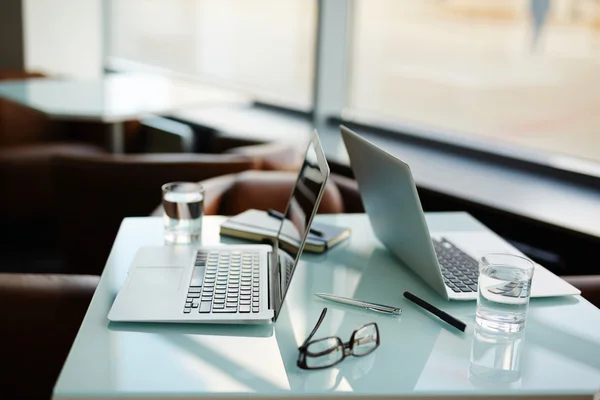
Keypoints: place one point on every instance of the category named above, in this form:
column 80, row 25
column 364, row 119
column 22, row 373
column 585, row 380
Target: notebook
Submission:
column 258, row 226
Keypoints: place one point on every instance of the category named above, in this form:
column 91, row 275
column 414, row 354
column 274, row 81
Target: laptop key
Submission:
column 193, row 295
column 197, row 276
column 245, row 308
column 254, row 309
column 224, row 310
column 473, row 287
column 205, row 307
column 187, row 310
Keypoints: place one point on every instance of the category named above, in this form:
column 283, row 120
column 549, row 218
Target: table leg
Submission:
column 117, row 140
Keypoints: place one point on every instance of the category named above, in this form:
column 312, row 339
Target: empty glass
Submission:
column 504, row 291
column 183, row 204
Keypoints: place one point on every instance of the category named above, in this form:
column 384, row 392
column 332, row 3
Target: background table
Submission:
column 419, row 355
column 113, row 99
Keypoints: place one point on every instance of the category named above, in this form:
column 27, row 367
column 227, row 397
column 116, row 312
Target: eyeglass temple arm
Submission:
column 321, row 318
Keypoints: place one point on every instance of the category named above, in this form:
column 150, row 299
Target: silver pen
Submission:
column 359, row 303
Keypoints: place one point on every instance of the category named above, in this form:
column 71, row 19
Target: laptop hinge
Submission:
column 273, row 282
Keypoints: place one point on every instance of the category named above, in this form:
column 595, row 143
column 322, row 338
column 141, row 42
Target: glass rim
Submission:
column 486, row 260
column 193, row 187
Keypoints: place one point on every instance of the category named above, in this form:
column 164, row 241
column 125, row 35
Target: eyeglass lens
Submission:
column 365, row 340
column 324, row 352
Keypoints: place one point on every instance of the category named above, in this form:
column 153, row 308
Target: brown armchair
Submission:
column 95, row 193
column 20, row 125
column 41, row 315
column 589, row 286
column 26, row 205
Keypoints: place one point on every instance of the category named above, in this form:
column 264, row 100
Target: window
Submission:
column 524, row 72
column 264, row 47
column 520, row 72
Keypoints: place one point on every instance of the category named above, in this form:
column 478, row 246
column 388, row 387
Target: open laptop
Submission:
column 227, row 283
column 447, row 261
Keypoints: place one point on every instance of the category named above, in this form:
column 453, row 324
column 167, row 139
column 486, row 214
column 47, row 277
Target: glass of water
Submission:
column 183, row 205
column 504, row 291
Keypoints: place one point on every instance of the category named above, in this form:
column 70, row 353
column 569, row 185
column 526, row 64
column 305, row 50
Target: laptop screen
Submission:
column 301, row 208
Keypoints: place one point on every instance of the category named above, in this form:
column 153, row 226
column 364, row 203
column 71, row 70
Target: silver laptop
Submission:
column 227, row 283
column 447, row 261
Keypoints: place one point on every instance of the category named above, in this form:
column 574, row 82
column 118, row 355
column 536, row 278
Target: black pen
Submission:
column 436, row 311
column 278, row 215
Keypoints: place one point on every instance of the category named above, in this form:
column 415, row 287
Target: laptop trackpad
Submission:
column 156, row 279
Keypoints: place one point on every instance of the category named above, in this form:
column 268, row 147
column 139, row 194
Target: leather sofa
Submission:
column 41, row 315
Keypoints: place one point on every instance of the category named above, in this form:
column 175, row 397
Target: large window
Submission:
column 265, row 47
column 522, row 71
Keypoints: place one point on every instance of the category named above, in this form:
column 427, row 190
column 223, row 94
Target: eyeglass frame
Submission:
column 347, row 348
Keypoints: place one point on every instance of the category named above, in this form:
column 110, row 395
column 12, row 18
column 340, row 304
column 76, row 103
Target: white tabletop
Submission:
column 113, row 98
column 419, row 355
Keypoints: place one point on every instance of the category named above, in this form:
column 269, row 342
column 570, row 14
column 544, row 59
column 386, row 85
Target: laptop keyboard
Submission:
column 224, row 281
column 460, row 271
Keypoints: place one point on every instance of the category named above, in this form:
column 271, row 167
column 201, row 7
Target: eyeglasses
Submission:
column 327, row 352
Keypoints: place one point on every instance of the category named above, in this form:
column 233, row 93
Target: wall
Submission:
column 11, row 35
column 63, row 37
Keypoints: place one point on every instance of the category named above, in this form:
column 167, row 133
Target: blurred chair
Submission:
column 164, row 135
column 41, row 315
column 589, row 286
column 348, row 188
column 94, row 193
column 29, row 224
column 20, row 125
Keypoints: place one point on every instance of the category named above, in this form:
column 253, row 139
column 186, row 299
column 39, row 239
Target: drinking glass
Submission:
column 183, row 205
column 504, row 291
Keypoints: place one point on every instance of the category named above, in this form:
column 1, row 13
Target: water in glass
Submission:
column 182, row 204
column 504, row 291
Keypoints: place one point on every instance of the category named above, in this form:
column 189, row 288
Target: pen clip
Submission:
column 384, row 310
